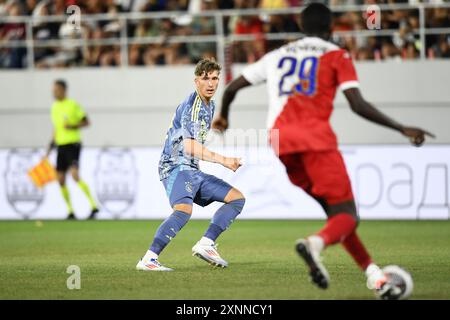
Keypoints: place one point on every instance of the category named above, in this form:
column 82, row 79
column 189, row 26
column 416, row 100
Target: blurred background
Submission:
column 116, row 33
column 129, row 63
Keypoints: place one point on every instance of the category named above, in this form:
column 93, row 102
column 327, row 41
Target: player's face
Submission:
column 207, row 84
column 58, row 92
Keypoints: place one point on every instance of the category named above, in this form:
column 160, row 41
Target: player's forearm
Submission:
column 199, row 151
column 230, row 94
column 227, row 99
column 369, row 112
column 363, row 108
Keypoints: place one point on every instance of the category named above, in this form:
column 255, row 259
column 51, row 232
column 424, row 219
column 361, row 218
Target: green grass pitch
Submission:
column 34, row 257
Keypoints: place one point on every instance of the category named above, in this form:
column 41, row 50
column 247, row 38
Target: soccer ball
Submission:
column 400, row 281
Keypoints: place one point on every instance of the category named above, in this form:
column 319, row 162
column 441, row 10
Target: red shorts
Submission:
column 322, row 174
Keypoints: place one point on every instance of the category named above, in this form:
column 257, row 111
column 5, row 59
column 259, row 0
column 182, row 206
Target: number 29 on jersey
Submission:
column 305, row 70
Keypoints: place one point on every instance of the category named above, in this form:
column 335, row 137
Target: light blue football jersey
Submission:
column 192, row 119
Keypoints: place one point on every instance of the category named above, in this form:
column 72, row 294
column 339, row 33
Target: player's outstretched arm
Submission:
column 221, row 122
column 199, row 151
column 369, row 112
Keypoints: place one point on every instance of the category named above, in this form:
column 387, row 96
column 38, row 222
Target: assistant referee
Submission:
column 68, row 118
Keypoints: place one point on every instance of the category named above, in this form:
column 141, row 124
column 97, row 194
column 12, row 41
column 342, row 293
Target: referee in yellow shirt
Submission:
column 68, row 118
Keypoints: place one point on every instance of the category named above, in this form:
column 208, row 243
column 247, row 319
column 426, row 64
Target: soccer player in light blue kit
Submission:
column 185, row 184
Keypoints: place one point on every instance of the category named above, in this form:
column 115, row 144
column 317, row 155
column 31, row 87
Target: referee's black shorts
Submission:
column 68, row 156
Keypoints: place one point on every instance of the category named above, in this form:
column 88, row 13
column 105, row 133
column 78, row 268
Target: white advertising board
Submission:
column 389, row 182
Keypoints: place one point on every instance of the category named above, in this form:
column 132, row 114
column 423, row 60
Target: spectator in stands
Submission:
column 202, row 26
column 273, row 4
column 247, row 25
column 30, row 5
column 404, row 43
column 389, row 51
column 364, row 53
column 154, row 5
column 4, row 8
column 44, row 30
column 410, row 52
column 92, row 53
column 163, row 52
column 135, row 55
column 444, row 48
column 441, row 49
column 225, row 4
column 110, row 57
column 13, row 57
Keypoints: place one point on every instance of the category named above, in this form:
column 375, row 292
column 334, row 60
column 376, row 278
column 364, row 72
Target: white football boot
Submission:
column 375, row 277
column 206, row 249
column 377, row 281
column 150, row 263
column 309, row 249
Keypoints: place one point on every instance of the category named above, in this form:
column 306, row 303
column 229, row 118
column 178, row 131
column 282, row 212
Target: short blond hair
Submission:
column 206, row 66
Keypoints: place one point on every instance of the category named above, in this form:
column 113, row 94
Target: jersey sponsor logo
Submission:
column 116, row 180
column 24, row 197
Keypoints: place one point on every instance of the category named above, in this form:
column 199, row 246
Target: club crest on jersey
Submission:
column 188, row 186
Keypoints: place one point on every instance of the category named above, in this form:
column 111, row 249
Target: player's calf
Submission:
column 206, row 248
column 165, row 233
column 223, row 218
column 168, row 230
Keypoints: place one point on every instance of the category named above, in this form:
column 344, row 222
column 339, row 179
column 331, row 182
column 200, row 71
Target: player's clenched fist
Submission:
column 232, row 163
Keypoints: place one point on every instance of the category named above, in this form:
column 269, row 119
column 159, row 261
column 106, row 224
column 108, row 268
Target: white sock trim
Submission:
column 149, row 255
column 206, row 241
column 371, row 269
column 316, row 242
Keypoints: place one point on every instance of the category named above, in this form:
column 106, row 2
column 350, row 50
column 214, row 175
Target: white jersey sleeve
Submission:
column 256, row 73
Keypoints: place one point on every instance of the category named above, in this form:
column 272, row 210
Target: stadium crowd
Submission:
column 403, row 44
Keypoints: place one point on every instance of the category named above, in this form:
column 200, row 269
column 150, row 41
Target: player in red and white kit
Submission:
column 302, row 78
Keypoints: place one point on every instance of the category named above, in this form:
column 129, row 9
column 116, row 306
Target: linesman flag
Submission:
column 42, row 173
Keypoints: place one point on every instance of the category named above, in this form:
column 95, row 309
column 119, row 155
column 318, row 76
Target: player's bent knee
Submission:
column 235, row 199
column 183, row 207
column 347, row 207
column 234, row 194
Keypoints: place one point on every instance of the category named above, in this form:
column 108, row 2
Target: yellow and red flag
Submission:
column 42, row 173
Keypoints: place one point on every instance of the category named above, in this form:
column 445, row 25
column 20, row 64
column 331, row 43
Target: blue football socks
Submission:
column 168, row 230
column 223, row 218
